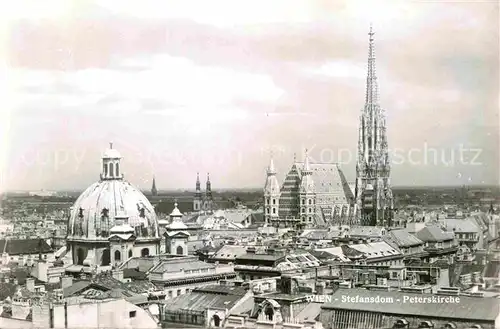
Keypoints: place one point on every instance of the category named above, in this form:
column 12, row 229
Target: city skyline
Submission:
column 181, row 91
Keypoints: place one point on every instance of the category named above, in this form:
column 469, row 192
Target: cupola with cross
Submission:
column 176, row 235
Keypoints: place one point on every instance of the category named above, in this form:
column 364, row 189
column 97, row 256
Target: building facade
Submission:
column 312, row 194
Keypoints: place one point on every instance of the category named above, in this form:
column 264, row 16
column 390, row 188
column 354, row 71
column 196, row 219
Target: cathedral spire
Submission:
column 373, row 195
column 271, row 169
column 198, row 184
column 371, row 97
column 154, row 191
column 307, row 165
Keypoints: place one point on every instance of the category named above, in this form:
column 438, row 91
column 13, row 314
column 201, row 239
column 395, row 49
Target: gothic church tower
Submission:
column 373, row 194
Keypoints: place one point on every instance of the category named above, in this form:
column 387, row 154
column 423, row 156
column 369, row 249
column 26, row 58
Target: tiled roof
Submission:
column 134, row 274
column 229, row 252
column 469, row 308
column 143, row 264
column 207, row 297
column 462, row 225
column 403, row 238
column 24, row 247
column 265, row 257
column 434, row 234
column 367, row 231
column 177, row 265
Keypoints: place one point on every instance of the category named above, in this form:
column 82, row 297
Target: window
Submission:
column 310, row 201
column 118, row 256
column 274, row 210
column 274, row 201
column 179, row 292
column 132, row 314
column 170, row 294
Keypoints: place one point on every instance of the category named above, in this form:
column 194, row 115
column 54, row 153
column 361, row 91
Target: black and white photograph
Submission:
column 250, row 164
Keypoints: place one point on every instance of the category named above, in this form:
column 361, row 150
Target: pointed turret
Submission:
column 198, row 185
column 154, row 191
column 306, row 194
column 198, row 199
column 272, row 186
column 208, row 191
column 271, row 193
column 373, row 194
column 307, row 184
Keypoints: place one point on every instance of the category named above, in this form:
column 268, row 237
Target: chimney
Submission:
column 118, row 275
column 30, row 284
column 66, row 281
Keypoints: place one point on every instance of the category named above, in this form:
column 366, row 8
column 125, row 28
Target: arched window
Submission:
column 216, row 319
column 180, row 250
column 450, row 325
column 274, row 210
column 310, row 201
column 130, row 253
column 425, row 325
column 105, row 169
column 274, row 201
column 145, row 252
column 111, row 170
column 80, row 256
column 105, row 260
column 400, row 324
column 117, row 169
column 118, row 255
column 269, row 312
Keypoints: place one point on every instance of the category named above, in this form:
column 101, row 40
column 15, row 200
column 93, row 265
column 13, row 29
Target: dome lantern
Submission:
column 111, row 164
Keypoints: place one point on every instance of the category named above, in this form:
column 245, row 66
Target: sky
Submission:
column 216, row 86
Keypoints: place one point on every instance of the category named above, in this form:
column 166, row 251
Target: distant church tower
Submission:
column 198, row 200
column 208, row 202
column 373, row 193
column 154, row 191
column 271, row 194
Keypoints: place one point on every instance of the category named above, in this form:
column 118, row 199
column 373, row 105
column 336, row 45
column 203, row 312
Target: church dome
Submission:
column 93, row 215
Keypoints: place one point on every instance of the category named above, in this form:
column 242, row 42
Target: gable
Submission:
column 177, row 234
